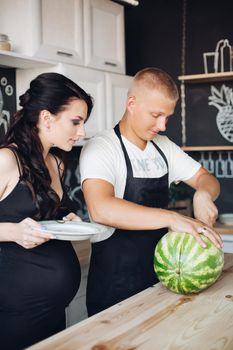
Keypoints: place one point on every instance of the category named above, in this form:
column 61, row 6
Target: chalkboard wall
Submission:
column 207, row 22
column 209, row 125
column 7, row 98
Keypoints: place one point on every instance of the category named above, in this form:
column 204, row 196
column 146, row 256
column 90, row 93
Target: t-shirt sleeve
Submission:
column 181, row 166
column 97, row 161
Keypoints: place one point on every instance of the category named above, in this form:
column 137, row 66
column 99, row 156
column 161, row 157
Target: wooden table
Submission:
column 158, row 319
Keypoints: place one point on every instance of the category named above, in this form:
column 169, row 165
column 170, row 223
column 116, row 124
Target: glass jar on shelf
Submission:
column 5, row 42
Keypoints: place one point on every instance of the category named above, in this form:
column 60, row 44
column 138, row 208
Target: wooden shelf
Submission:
column 11, row 59
column 202, row 78
column 206, row 148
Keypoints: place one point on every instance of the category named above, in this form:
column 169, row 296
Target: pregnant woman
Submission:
column 39, row 275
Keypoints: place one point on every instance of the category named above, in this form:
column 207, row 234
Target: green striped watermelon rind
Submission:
column 183, row 266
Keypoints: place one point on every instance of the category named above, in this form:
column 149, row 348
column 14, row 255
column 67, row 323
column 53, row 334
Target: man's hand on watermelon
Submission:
column 207, row 190
column 181, row 223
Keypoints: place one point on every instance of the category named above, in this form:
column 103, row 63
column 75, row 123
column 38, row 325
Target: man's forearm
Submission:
column 208, row 183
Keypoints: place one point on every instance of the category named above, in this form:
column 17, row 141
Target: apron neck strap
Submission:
column 127, row 160
column 160, row 152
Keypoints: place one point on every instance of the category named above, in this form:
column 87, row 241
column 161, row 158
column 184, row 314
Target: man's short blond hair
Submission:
column 155, row 79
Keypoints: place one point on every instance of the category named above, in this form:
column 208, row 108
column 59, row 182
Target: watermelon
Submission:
column 183, row 266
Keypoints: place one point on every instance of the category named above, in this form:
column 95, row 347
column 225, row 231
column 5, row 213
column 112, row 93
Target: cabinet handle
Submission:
column 110, row 63
column 62, row 53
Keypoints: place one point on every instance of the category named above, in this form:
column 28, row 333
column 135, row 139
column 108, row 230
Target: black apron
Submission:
column 122, row 265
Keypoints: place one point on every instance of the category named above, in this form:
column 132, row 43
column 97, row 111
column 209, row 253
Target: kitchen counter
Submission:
column 158, row 319
column 223, row 229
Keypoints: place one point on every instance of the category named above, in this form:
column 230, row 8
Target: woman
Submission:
column 39, row 275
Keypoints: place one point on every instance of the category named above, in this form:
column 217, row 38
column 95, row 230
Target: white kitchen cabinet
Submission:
column 93, row 82
column 116, row 94
column 61, row 31
column 51, row 29
column 19, row 19
column 104, row 35
column 80, row 32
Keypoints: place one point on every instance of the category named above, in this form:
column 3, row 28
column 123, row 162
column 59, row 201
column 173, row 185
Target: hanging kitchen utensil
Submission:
column 210, row 163
column 219, row 166
column 229, row 166
column 202, row 159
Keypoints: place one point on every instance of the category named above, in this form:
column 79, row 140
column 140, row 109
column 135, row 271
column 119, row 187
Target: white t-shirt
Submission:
column 102, row 158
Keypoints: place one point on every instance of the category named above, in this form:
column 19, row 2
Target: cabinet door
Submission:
column 61, row 31
column 104, row 35
column 92, row 82
column 116, row 95
column 19, row 19
column 51, row 29
column 25, row 76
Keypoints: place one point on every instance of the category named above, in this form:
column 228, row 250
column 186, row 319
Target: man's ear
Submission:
column 131, row 102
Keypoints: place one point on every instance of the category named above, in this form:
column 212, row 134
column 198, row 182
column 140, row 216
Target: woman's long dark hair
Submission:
column 52, row 92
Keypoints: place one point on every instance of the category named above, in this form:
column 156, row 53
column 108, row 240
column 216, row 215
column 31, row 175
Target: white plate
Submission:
column 71, row 230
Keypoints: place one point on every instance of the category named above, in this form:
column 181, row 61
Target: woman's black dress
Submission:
column 36, row 284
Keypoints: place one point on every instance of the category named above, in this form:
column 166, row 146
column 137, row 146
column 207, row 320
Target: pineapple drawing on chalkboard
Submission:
column 223, row 100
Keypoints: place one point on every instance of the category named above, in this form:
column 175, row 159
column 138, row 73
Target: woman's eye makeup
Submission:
column 76, row 121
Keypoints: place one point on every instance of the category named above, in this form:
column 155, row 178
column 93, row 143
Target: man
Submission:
column 125, row 175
